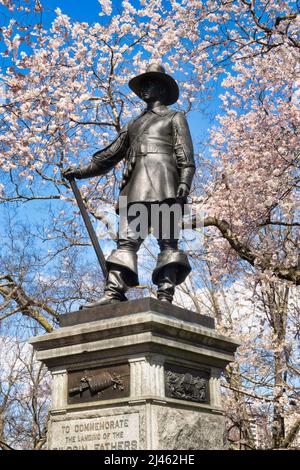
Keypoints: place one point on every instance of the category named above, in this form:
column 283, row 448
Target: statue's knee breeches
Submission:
column 175, row 263
column 124, row 257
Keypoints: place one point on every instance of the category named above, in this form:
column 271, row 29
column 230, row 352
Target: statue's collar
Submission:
column 161, row 110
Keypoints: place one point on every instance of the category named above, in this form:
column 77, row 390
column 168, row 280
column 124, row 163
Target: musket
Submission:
column 89, row 227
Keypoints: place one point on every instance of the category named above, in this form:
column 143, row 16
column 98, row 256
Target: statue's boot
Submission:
column 114, row 291
column 171, row 269
column 166, row 284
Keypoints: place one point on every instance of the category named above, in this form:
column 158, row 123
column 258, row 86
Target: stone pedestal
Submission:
column 141, row 374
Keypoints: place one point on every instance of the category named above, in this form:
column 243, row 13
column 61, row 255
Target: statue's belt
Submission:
column 145, row 148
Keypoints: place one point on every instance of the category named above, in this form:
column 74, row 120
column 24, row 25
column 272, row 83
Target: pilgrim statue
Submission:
column 159, row 167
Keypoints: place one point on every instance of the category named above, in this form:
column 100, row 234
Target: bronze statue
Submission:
column 159, row 168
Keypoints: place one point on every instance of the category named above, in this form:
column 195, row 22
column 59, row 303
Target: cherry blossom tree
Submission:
column 253, row 202
column 24, row 397
column 65, row 94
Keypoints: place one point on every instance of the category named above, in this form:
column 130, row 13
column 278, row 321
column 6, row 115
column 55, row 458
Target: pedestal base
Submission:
column 148, row 379
column 144, row 425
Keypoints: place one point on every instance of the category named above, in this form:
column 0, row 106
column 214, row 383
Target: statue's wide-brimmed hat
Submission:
column 157, row 72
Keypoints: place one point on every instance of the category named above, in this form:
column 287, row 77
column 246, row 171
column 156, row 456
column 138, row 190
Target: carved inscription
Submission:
column 186, row 384
column 120, row 432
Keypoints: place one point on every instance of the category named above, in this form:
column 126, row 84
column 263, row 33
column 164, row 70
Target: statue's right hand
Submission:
column 71, row 173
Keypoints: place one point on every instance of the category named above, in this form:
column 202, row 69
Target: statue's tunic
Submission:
column 158, row 152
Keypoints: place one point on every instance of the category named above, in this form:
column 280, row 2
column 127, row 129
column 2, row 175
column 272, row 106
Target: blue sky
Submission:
column 86, row 10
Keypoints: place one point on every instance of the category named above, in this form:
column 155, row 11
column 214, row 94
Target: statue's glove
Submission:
column 71, row 173
column 183, row 190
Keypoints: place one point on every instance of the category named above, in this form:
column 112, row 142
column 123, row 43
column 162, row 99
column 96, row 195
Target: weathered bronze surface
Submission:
column 158, row 153
column 98, row 384
column 186, row 384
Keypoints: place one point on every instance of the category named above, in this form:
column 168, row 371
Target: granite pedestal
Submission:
column 141, row 374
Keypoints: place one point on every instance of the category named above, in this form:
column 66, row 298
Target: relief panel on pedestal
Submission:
column 184, row 383
column 102, row 383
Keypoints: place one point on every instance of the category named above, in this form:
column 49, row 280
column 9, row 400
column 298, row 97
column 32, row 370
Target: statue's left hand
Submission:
column 183, row 190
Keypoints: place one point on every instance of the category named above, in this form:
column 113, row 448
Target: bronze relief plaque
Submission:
column 184, row 383
column 102, row 383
